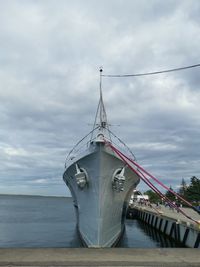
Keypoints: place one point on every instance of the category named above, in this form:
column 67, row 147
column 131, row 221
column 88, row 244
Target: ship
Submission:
column 100, row 182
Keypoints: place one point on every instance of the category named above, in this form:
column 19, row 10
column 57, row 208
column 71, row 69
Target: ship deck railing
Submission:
column 85, row 142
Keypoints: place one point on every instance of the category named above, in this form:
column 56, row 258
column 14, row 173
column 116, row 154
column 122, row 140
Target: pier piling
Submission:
column 170, row 223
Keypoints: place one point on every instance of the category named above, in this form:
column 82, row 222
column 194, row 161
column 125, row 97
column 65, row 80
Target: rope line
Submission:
column 122, row 143
column 162, row 196
column 142, row 174
column 149, row 73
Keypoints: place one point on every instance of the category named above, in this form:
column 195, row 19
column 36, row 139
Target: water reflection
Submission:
column 140, row 235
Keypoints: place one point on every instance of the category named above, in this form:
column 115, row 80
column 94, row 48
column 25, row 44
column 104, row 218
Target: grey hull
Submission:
column 100, row 209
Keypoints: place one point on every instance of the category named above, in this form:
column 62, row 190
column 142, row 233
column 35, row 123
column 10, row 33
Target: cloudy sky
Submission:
column 50, row 54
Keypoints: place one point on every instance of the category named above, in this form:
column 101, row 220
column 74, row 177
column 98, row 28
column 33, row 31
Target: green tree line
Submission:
column 190, row 192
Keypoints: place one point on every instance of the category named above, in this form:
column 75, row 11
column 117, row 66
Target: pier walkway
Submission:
column 100, row 257
column 170, row 222
column 171, row 213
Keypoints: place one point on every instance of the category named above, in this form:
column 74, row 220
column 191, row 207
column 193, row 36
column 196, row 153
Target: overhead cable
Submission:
column 149, row 73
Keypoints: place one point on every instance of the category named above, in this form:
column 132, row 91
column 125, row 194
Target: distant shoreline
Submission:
column 21, row 195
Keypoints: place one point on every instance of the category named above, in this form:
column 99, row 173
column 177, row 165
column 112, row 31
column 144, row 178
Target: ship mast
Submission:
column 100, row 117
column 103, row 116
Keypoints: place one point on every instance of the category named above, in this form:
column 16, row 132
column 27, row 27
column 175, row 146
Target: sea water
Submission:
column 35, row 221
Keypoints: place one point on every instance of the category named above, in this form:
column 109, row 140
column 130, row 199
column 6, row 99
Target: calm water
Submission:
column 30, row 221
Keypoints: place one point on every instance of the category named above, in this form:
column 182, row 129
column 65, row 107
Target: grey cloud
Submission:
column 49, row 60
